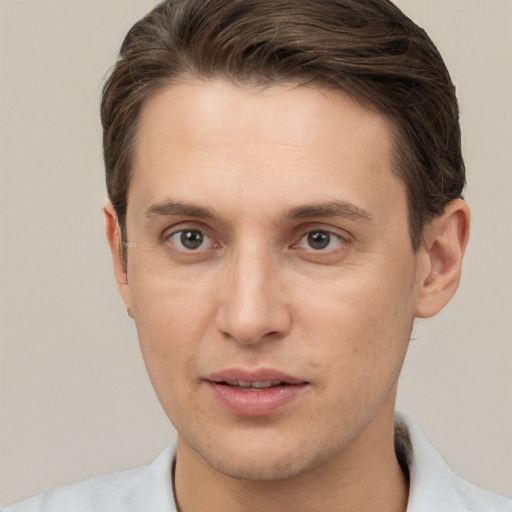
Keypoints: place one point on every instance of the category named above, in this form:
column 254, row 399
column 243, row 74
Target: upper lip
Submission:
column 257, row 375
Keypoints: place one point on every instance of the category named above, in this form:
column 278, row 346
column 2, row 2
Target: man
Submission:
column 285, row 182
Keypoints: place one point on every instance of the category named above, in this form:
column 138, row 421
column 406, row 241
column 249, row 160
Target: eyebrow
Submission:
column 338, row 208
column 170, row 207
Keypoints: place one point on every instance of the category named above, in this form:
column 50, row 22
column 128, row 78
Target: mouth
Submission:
column 256, row 393
column 255, row 385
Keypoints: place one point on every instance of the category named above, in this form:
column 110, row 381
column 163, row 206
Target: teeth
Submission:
column 264, row 384
column 257, row 384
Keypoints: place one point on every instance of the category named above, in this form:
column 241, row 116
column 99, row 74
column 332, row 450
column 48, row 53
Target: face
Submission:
column 270, row 272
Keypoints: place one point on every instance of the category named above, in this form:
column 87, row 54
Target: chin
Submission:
column 265, row 461
column 262, row 468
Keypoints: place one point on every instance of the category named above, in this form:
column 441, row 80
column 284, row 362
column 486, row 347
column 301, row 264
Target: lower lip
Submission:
column 255, row 402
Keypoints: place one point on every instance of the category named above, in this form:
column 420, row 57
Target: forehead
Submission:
column 204, row 112
column 248, row 143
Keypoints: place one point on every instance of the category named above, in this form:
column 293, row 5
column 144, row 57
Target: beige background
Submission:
column 74, row 397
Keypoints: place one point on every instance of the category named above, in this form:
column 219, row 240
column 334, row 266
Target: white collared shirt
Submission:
column 433, row 486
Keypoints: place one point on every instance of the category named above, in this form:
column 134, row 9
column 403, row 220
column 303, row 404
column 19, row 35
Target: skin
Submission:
column 259, row 171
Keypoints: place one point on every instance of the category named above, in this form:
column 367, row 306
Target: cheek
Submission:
column 361, row 320
column 168, row 326
column 171, row 316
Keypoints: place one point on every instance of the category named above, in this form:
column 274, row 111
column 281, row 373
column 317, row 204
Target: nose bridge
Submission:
column 252, row 306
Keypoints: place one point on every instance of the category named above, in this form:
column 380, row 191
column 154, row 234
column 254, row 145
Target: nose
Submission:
column 253, row 306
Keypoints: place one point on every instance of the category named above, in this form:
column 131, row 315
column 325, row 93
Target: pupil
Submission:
column 191, row 239
column 319, row 239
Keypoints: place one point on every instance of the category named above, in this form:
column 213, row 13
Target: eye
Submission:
column 190, row 239
column 319, row 240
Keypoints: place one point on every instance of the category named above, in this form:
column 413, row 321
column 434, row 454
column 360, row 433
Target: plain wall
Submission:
column 74, row 397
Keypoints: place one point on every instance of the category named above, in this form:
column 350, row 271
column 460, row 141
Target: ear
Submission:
column 113, row 233
column 440, row 258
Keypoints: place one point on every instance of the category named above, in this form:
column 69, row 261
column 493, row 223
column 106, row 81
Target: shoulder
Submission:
column 433, row 486
column 145, row 488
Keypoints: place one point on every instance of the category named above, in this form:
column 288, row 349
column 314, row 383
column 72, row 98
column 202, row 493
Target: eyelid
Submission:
column 334, row 236
column 180, row 227
column 312, row 227
column 326, row 256
column 343, row 237
column 177, row 243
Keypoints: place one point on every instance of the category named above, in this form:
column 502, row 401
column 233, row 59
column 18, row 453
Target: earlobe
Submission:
column 113, row 234
column 440, row 261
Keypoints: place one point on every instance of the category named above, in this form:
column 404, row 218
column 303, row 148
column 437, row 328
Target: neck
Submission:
column 364, row 476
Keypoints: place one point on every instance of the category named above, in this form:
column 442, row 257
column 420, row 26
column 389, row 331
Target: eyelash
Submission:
column 327, row 237
column 182, row 232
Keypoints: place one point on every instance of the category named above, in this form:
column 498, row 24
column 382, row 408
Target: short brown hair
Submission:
column 366, row 48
